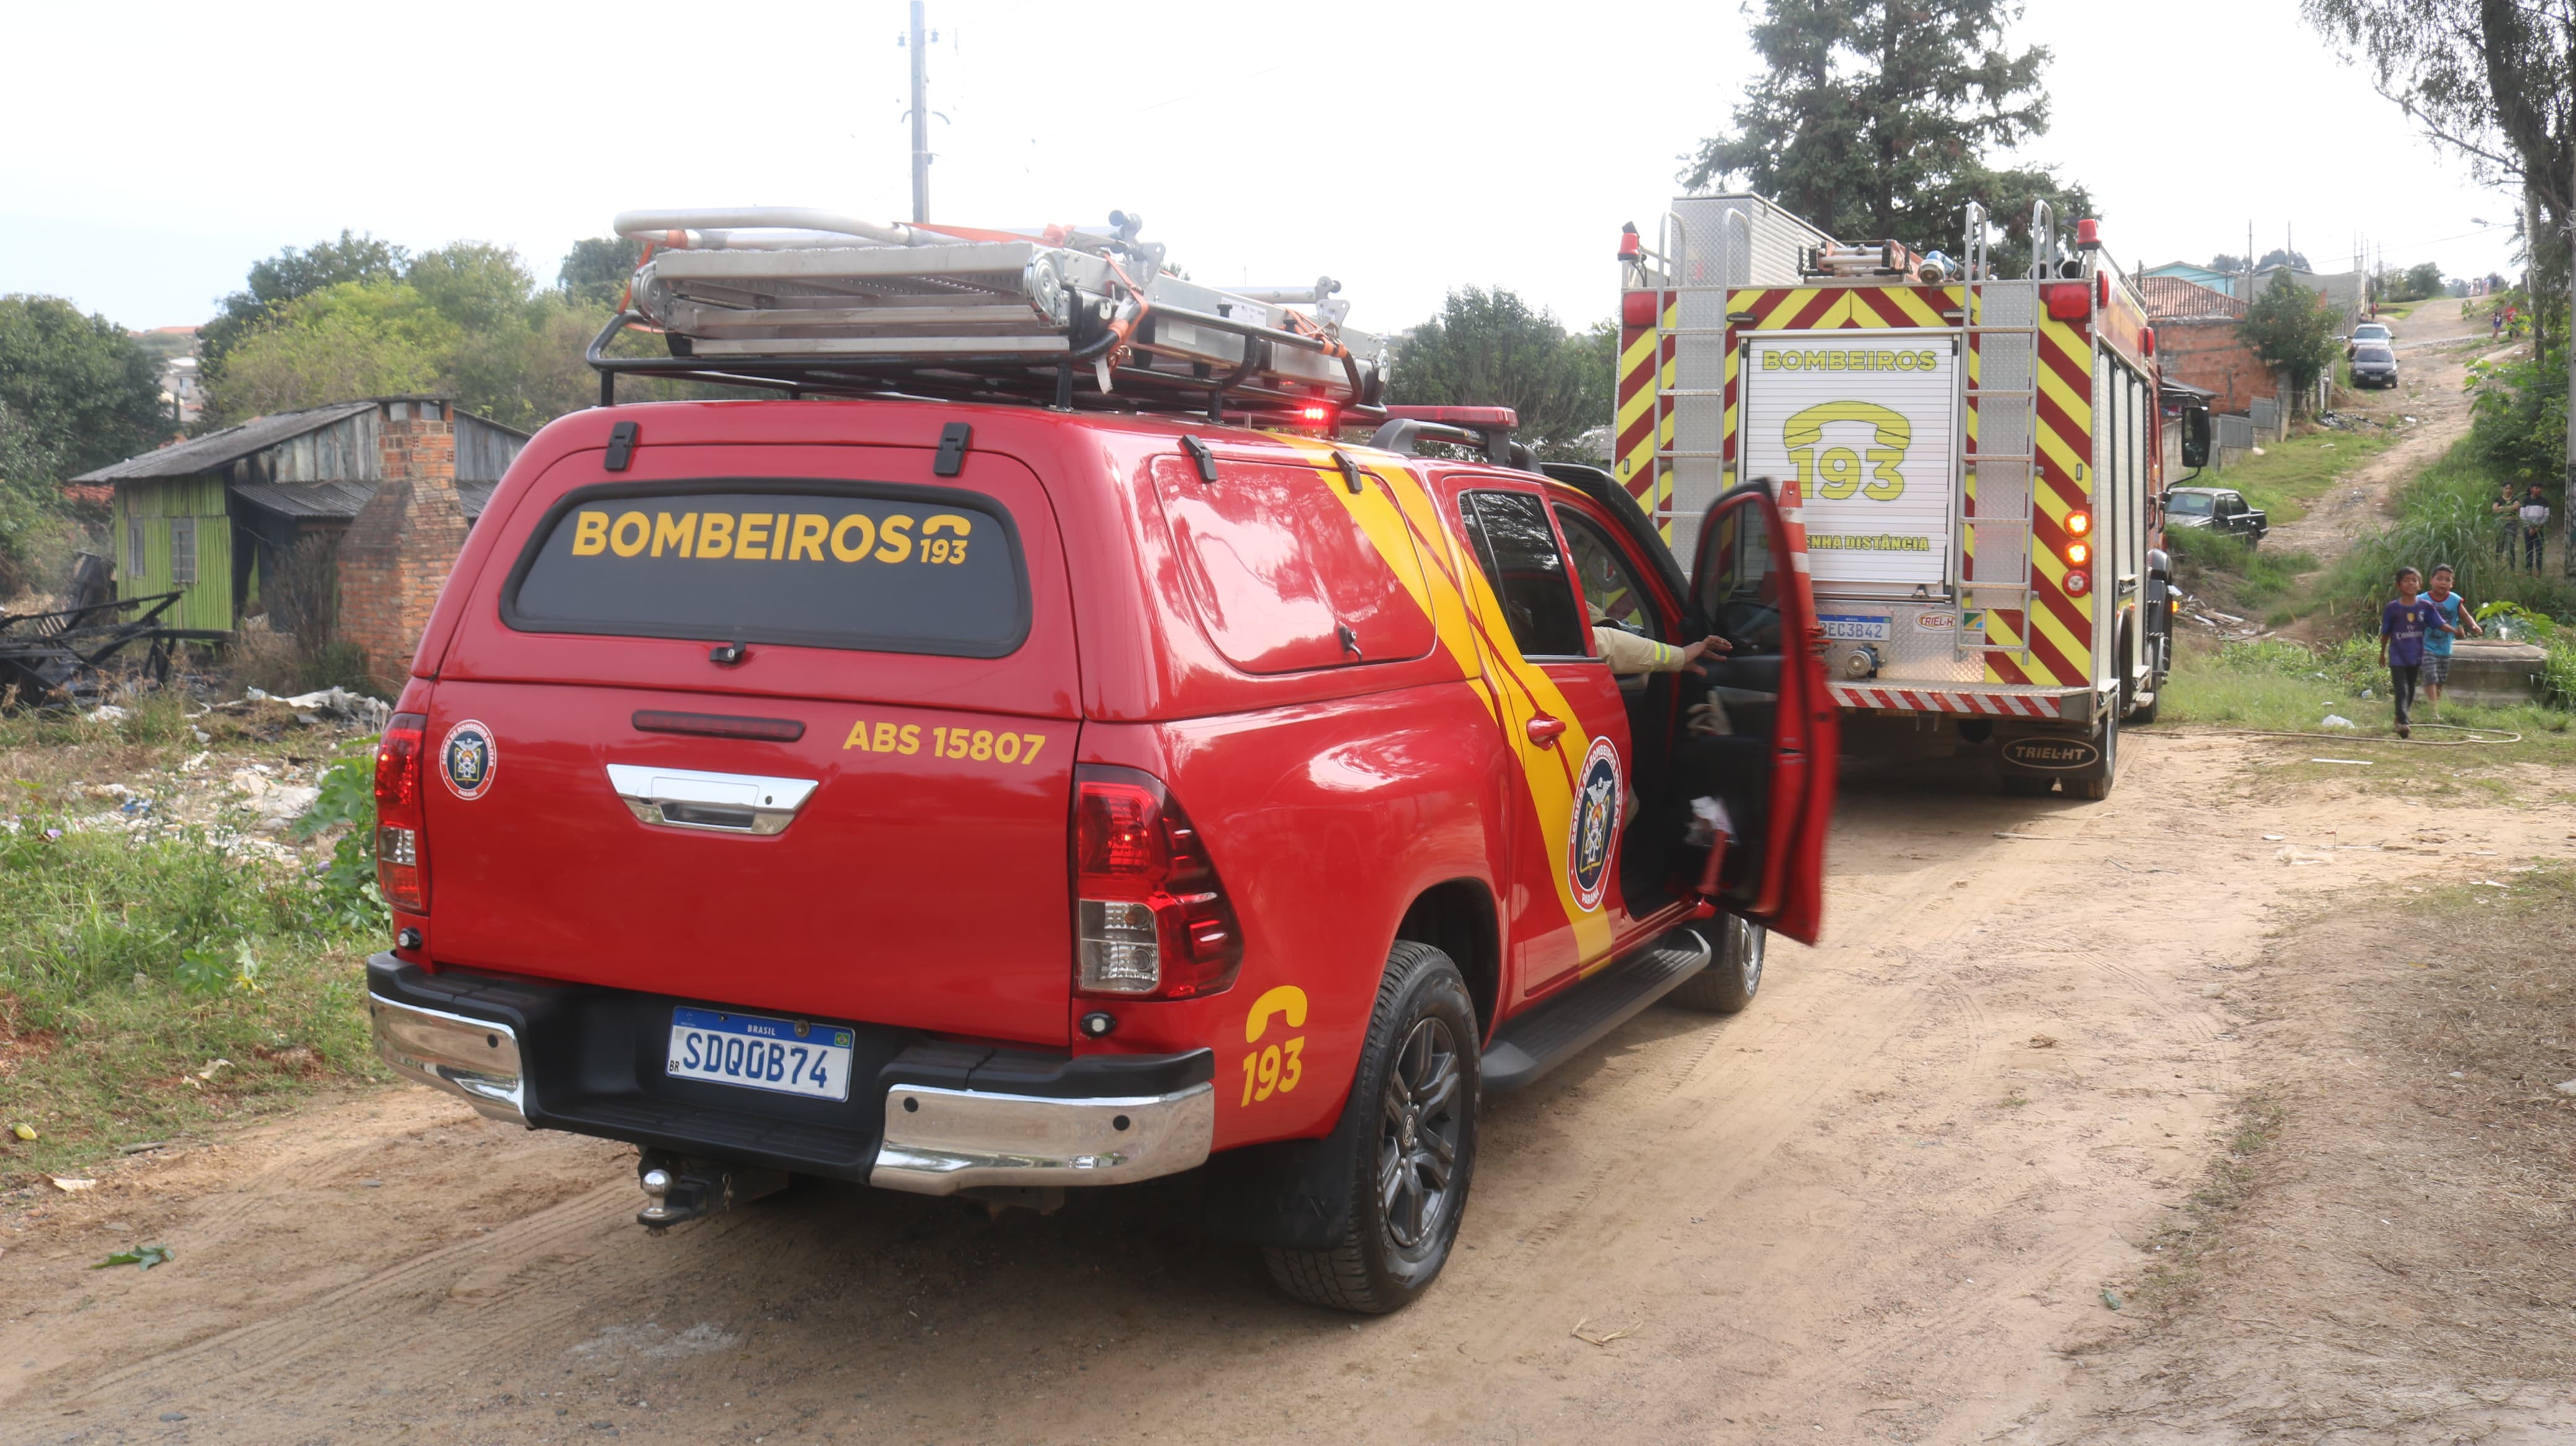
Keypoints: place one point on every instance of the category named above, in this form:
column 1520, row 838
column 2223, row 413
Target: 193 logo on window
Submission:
column 1834, row 472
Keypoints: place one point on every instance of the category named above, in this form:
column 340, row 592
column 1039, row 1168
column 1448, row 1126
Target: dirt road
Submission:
column 1884, row 1203
column 2434, row 347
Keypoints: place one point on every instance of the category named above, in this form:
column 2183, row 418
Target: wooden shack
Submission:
column 213, row 516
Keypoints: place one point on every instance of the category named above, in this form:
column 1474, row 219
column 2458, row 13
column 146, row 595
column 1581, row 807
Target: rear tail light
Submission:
column 1150, row 915
column 2069, row 300
column 2078, row 554
column 2079, row 523
column 402, row 855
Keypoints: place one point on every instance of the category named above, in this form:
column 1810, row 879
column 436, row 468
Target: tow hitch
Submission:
column 677, row 1188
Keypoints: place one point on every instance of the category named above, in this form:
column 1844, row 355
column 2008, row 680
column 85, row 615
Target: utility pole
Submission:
column 920, row 119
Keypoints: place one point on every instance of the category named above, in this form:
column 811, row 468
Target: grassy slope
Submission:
column 102, row 1044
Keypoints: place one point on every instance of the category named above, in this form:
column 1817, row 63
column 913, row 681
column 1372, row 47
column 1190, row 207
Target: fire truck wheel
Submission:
column 2106, row 738
column 1415, row 1100
column 1734, row 969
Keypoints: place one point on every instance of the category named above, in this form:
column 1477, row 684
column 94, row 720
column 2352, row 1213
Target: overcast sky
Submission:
column 156, row 150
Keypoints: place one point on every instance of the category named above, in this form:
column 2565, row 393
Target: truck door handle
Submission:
column 1544, row 731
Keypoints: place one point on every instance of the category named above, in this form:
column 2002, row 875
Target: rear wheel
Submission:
column 1734, row 969
column 2098, row 784
column 1416, row 1096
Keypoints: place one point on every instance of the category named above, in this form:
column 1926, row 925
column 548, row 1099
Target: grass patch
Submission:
column 2289, row 475
column 2233, row 571
column 131, row 962
column 2284, row 687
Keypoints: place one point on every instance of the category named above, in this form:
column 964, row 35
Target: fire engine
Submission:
column 1981, row 458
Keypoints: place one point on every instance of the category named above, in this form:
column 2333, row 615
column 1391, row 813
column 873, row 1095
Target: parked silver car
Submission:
column 2369, row 333
column 2374, row 366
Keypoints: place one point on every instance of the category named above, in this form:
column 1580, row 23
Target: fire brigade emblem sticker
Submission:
column 1598, row 799
column 466, row 759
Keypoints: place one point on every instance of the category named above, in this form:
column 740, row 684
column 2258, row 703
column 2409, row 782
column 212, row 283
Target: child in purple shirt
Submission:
column 2402, row 626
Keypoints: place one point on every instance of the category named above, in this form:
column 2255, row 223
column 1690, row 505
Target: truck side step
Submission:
column 1564, row 1026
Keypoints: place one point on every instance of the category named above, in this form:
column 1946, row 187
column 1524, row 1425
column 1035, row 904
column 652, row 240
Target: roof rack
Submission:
column 812, row 303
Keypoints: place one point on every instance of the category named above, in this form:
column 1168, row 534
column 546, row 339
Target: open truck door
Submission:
column 1771, row 739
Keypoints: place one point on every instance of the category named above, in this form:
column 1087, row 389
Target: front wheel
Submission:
column 1734, row 969
column 1415, row 1101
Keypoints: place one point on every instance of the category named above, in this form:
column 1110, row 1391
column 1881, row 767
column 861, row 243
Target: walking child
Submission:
column 2437, row 642
column 2402, row 626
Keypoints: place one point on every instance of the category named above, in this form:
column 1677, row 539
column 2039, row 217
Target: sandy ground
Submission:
column 1883, row 1204
column 2434, row 347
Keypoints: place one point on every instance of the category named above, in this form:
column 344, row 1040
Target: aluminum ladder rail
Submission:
column 1999, row 473
column 1674, row 238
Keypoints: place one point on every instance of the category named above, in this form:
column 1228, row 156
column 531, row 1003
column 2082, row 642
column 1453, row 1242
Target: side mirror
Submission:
column 2195, row 437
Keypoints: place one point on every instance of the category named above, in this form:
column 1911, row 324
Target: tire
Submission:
column 1419, row 1086
column 1734, row 971
column 2107, row 738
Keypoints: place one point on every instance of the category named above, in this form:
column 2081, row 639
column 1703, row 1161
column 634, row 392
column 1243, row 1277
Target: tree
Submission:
column 1488, row 348
column 2292, row 328
column 353, row 339
column 2227, row 261
column 596, row 270
column 1874, row 118
column 31, row 510
column 289, row 276
column 2494, row 80
column 2424, row 279
column 2277, row 256
column 89, row 393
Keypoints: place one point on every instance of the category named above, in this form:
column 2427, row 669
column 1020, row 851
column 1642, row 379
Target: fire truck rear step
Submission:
column 1561, row 1027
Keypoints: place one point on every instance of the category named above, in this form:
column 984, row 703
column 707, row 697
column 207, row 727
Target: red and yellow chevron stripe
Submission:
column 2061, row 620
column 1642, row 423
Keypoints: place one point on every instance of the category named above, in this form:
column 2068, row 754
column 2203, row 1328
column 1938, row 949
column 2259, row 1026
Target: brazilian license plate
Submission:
column 783, row 1056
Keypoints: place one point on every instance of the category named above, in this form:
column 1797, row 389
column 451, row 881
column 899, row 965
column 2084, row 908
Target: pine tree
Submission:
column 1875, row 119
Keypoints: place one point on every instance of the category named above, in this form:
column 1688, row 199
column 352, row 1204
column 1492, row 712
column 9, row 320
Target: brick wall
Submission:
column 2208, row 353
column 397, row 552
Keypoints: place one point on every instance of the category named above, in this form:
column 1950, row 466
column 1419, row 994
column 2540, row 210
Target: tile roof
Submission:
column 2169, row 297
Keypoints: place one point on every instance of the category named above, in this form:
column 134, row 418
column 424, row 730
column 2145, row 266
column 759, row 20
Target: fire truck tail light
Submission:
column 2078, row 554
column 2102, row 289
column 1151, row 916
column 402, row 865
column 2069, row 300
column 2078, row 523
column 1319, row 417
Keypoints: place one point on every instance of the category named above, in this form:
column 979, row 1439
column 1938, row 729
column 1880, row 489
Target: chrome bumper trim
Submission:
column 475, row 1059
column 940, row 1141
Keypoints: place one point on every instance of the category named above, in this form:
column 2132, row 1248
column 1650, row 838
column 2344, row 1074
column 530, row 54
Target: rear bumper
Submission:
column 1971, row 701
column 928, row 1116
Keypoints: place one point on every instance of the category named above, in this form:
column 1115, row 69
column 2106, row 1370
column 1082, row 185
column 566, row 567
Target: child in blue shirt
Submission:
column 2402, row 626
column 2437, row 643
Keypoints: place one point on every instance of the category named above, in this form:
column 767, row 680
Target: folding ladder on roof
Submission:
column 812, row 302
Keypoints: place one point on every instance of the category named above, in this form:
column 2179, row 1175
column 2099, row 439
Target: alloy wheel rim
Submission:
column 1419, row 1121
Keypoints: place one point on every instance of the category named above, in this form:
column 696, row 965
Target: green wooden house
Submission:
column 212, row 516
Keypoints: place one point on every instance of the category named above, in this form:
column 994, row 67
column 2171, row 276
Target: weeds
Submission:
column 131, row 962
column 2257, row 578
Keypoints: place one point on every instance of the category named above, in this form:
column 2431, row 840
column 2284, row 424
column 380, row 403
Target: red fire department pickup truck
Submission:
column 995, row 798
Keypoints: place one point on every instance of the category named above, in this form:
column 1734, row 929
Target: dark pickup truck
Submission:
column 2218, row 509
